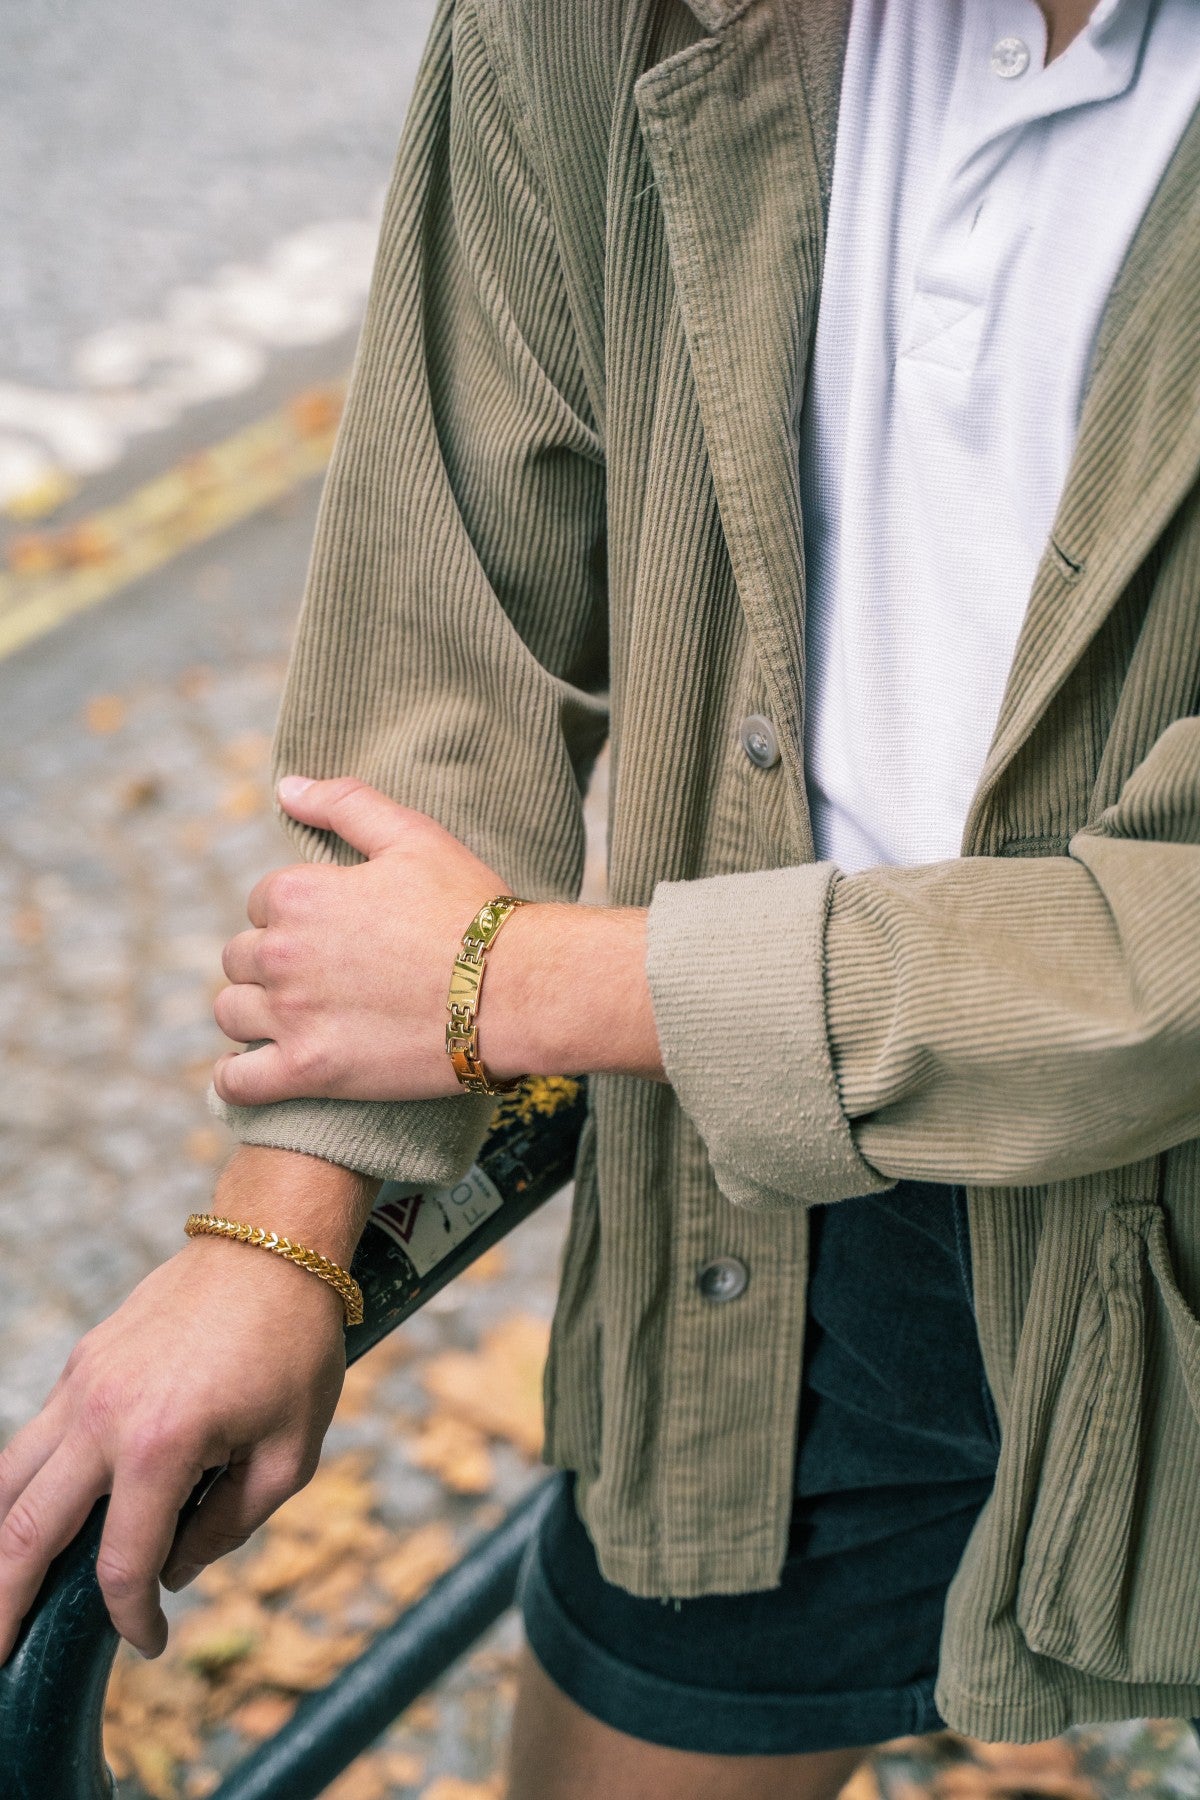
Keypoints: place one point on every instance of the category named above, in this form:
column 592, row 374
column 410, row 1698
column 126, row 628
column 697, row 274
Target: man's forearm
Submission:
column 566, row 993
column 314, row 1202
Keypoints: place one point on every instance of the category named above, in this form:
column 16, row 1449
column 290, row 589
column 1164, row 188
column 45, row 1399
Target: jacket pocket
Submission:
column 1110, row 1579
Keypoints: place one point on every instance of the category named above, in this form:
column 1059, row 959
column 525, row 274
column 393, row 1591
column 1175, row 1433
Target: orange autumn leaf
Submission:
column 498, row 1389
column 416, row 1563
column 457, row 1453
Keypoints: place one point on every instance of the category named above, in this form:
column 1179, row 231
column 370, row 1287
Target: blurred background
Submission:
column 189, row 199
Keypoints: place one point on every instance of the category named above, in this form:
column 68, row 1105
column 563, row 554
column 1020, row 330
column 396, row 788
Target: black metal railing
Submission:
column 52, row 1689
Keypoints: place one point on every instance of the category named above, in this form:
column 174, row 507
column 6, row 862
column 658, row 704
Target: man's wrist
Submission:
column 566, row 994
column 316, row 1203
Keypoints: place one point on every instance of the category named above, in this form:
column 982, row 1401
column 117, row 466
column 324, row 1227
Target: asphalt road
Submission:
column 143, row 145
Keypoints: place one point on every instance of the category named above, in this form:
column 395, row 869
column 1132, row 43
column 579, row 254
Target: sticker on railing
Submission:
column 428, row 1226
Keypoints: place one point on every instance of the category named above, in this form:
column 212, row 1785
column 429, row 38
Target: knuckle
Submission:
column 294, row 1469
column 21, row 1535
column 151, row 1443
column 277, row 953
column 288, row 889
column 119, row 1578
column 307, row 1061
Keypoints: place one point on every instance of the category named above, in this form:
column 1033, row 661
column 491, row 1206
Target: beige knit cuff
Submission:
column 735, row 964
column 429, row 1142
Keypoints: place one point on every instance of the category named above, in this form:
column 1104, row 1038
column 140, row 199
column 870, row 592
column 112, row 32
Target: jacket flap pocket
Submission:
column 1103, row 1546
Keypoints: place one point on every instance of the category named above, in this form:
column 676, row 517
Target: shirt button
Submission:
column 759, row 741
column 1010, row 57
column 724, row 1278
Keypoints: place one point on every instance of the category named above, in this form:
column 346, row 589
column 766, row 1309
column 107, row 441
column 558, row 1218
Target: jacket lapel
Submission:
column 739, row 130
column 1136, row 457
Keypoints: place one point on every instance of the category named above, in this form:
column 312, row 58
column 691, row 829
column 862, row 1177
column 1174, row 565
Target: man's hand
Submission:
column 346, row 972
column 224, row 1355
column 343, row 981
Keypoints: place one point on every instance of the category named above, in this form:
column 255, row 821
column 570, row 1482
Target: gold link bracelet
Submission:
column 339, row 1279
column 462, row 1031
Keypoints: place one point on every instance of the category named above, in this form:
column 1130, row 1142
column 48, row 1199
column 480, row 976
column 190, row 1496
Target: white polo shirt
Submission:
column 981, row 208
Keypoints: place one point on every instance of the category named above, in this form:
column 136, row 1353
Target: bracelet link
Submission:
column 326, row 1270
column 466, row 981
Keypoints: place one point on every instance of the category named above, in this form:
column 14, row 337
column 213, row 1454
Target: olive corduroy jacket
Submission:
column 564, row 506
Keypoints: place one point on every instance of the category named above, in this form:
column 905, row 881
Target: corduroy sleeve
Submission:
column 452, row 645
column 989, row 1020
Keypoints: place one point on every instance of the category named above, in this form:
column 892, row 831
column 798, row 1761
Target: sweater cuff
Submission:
column 736, row 971
column 431, row 1143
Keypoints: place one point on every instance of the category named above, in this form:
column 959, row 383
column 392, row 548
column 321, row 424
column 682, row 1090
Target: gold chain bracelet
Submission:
column 462, row 1030
column 339, row 1279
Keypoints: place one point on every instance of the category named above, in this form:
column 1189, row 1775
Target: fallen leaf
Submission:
column 243, row 799
column 449, row 1787
column 140, row 791
column 454, row 1451
column 358, row 1389
column 155, row 1768
column 28, row 926
column 862, row 1785
column 488, row 1267
column 316, row 411
column 288, row 1558
column 417, row 1563
column 401, row 1767
column 104, row 714
column 86, row 544
column 32, row 553
column 194, row 837
column 205, row 1144
column 213, row 1638
column 363, row 1780
column 330, row 1596
column 262, row 1716
column 45, row 495
column 499, row 1387
column 291, row 1657
column 340, row 1489
column 422, row 1715
column 194, row 681
column 116, row 1748
column 247, row 753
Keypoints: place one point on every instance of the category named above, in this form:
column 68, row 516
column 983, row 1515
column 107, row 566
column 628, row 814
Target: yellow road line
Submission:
column 54, row 574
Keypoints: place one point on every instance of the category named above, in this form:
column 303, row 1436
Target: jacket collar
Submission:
column 738, row 128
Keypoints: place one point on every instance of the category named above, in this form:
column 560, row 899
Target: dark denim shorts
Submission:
column 896, row 1453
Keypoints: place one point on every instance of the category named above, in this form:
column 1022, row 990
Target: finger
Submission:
column 244, row 1014
column 28, row 1451
column 143, row 1515
column 256, row 903
column 366, row 819
column 41, row 1521
column 260, row 1077
column 240, row 957
column 239, row 1502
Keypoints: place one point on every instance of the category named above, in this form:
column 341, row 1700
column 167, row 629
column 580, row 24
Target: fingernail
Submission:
column 181, row 1577
column 292, row 786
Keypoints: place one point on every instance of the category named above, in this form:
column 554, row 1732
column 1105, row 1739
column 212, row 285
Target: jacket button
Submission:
column 759, row 741
column 724, row 1278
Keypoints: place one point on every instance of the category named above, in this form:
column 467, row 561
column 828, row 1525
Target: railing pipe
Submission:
column 330, row 1728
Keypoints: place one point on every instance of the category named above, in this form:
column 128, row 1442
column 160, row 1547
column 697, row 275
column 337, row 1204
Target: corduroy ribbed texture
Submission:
column 569, row 463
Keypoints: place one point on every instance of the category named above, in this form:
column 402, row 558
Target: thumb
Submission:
column 366, row 819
